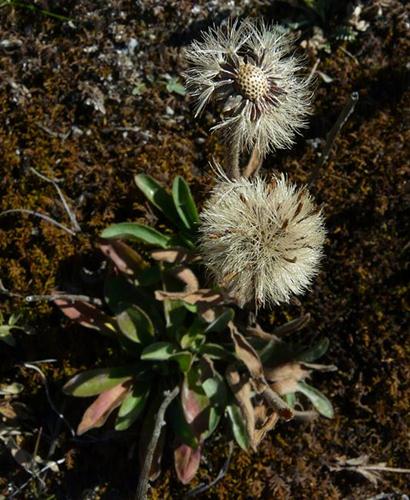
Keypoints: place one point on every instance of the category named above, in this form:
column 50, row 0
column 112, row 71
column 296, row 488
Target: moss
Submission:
column 358, row 300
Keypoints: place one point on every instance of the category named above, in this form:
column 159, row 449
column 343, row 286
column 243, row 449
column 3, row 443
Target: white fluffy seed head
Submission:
column 261, row 240
column 250, row 70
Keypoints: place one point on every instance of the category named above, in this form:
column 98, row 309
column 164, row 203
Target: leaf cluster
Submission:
column 172, row 332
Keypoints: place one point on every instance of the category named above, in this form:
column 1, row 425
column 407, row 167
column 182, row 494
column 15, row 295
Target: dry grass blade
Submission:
column 360, row 465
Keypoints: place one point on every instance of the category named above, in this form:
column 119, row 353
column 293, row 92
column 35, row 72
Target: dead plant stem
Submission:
column 331, row 137
column 143, row 482
column 254, row 163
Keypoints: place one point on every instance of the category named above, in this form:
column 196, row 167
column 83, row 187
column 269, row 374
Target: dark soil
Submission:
column 86, row 101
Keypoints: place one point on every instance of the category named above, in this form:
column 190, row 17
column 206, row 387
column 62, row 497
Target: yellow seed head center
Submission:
column 251, row 82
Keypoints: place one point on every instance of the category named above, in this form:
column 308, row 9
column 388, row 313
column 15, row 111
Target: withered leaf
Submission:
column 246, row 353
column 242, row 391
column 97, row 413
column 87, row 315
column 187, row 461
column 265, row 421
column 125, row 258
column 171, row 255
column 188, row 277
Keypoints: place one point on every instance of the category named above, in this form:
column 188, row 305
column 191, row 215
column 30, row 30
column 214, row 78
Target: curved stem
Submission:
column 232, row 160
column 40, row 216
column 254, row 163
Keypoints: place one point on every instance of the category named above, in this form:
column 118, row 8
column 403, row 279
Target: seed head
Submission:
column 262, row 241
column 248, row 70
column 252, row 82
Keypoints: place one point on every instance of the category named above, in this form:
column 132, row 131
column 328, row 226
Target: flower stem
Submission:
column 254, row 164
column 232, row 160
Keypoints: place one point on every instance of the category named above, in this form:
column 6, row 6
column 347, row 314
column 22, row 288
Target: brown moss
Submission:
column 358, row 300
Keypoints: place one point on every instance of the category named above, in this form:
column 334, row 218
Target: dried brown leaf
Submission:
column 87, row 315
column 125, row 258
column 188, row 277
column 242, row 390
column 172, row 256
column 246, row 353
column 284, row 378
column 265, row 421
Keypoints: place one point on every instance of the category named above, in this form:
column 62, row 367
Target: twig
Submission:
column 254, row 164
column 221, row 474
column 75, row 227
column 313, row 70
column 40, row 216
column 50, row 402
column 65, row 296
column 44, row 469
column 350, row 55
column 331, row 137
column 361, row 466
column 37, row 444
column 71, row 216
column 59, row 135
column 143, row 481
column 49, row 298
column 305, row 416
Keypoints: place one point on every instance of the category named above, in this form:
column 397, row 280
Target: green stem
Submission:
column 33, row 8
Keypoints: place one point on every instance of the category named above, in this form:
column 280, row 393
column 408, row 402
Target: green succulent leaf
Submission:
column 94, row 382
column 238, row 426
column 318, row 400
column 5, row 335
column 184, row 359
column 216, row 351
column 136, row 232
column 136, row 325
column 221, row 322
column 276, row 352
column 181, row 428
column 314, row 352
column 290, row 399
column 132, row 406
column 194, row 337
column 158, row 196
column 173, row 85
column 176, row 315
column 159, row 351
column 149, row 277
column 120, row 294
column 184, row 203
column 215, row 390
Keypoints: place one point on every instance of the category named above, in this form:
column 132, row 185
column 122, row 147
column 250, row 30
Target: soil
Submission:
column 84, row 98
